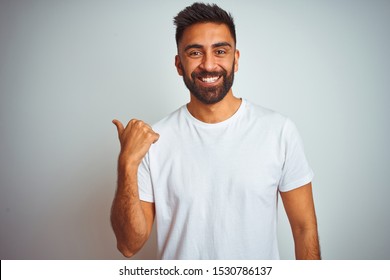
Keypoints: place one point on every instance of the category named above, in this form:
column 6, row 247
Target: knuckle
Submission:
column 131, row 122
column 150, row 135
column 137, row 123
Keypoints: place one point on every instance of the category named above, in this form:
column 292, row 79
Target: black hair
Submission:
column 202, row 13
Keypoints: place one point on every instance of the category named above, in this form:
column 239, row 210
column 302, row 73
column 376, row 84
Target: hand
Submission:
column 135, row 141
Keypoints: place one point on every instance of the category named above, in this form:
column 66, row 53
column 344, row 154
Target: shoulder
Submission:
column 271, row 121
column 170, row 122
column 265, row 116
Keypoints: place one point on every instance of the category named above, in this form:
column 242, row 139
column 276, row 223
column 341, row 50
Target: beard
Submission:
column 209, row 95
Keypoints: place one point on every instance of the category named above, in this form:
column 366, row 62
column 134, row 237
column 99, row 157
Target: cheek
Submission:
column 191, row 65
column 187, row 71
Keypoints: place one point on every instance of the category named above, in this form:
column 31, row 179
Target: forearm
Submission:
column 127, row 216
column 307, row 244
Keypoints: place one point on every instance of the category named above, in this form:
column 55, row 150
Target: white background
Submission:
column 67, row 68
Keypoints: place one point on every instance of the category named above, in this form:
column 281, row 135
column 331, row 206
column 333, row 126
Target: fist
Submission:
column 135, row 139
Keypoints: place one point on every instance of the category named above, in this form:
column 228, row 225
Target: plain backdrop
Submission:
column 67, row 68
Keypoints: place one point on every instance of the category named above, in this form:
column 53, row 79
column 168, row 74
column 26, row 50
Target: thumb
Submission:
column 119, row 127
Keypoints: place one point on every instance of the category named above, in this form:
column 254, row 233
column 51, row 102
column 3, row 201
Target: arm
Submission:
column 299, row 207
column 131, row 218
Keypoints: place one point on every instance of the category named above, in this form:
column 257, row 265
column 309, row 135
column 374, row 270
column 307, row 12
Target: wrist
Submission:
column 127, row 164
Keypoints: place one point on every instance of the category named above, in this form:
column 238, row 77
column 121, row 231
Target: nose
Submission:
column 208, row 63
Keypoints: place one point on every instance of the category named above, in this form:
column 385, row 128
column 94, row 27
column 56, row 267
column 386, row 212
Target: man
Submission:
column 211, row 171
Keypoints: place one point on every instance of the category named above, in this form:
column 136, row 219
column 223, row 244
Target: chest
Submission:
column 224, row 165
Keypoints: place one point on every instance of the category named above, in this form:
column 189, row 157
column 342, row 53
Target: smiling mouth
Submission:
column 209, row 80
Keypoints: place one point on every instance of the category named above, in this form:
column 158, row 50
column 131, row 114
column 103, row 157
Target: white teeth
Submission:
column 210, row 79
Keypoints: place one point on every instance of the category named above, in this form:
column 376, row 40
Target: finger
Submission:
column 119, row 127
column 133, row 123
column 156, row 137
column 139, row 124
column 148, row 126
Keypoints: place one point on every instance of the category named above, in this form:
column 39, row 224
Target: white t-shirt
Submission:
column 215, row 186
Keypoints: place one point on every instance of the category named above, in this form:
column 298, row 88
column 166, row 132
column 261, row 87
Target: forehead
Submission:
column 206, row 34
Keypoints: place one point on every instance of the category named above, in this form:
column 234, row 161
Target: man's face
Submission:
column 207, row 61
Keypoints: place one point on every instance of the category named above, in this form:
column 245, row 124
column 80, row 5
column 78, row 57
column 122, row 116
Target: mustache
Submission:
column 205, row 74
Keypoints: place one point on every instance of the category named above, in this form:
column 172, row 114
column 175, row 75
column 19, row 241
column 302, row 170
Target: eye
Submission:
column 220, row 52
column 195, row 53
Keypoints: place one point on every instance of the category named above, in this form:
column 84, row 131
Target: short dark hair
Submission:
column 202, row 13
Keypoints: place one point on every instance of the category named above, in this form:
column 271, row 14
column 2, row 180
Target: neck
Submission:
column 214, row 113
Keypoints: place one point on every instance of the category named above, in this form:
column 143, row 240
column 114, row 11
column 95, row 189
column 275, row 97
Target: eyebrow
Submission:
column 193, row 46
column 222, row 44
column 216, row 45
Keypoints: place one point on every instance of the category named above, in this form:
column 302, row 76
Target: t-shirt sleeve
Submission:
column 296, row 171
column 145, row 187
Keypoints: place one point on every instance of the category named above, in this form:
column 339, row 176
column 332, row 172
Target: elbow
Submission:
column 129, row 249
column 129, row 242
column 125, row 250
column 304, row 231
column 305, row 227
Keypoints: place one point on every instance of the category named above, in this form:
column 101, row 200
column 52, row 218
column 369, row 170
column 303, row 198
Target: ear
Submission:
column 179, row 66
column 236, row 58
